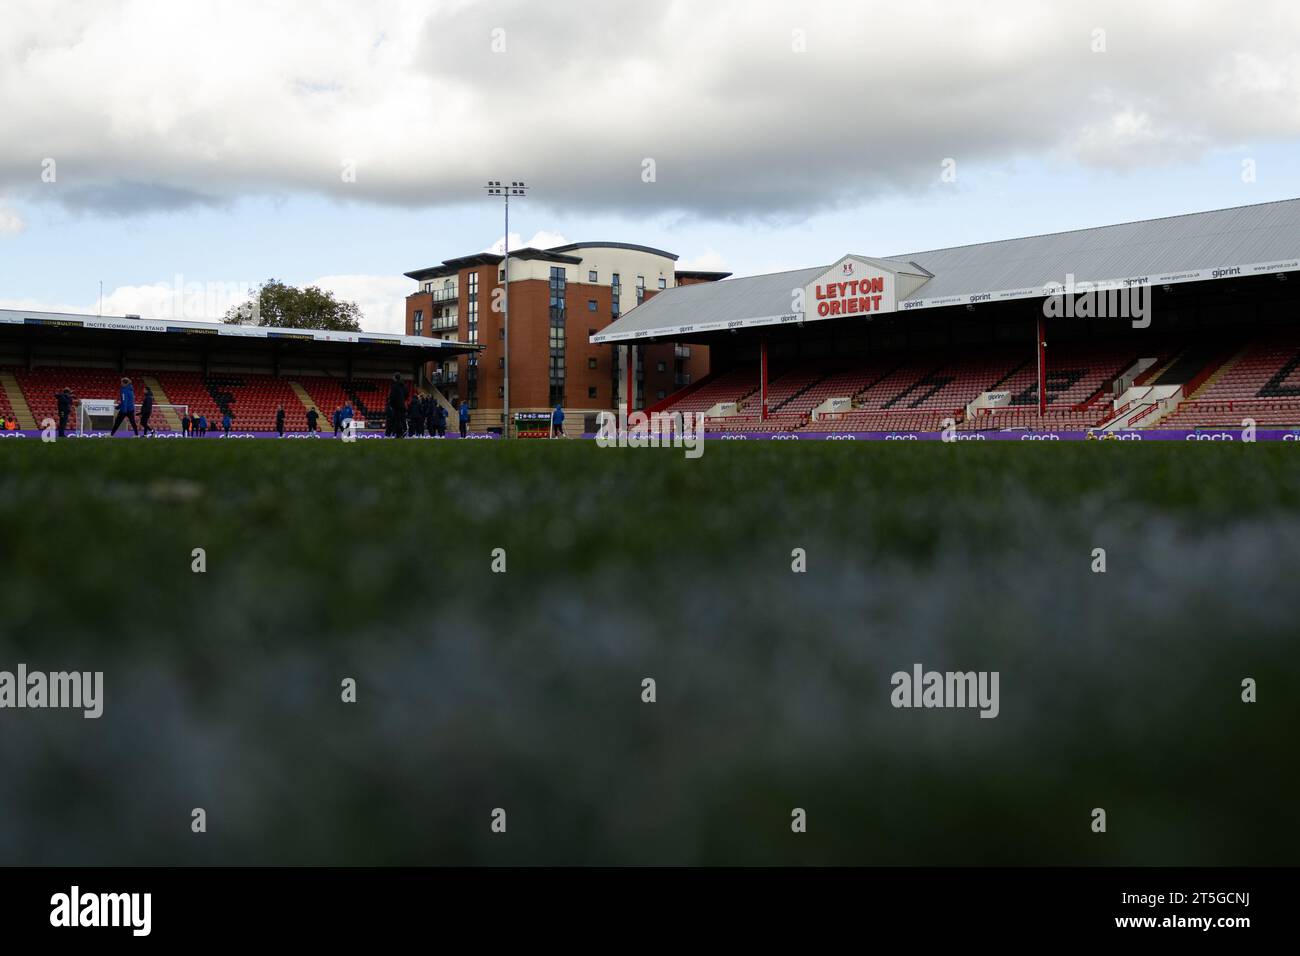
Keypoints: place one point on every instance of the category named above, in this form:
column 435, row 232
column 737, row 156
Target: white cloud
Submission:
column 707, row 261
column 149, row 103
column 382, row 299
column 10, row 222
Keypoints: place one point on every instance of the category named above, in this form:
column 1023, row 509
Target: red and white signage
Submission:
column 850, row 287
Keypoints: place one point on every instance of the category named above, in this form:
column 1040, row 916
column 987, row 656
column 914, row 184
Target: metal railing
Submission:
column 439, row 295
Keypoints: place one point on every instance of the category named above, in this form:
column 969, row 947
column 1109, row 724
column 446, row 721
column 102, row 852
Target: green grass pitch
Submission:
column 522, row 690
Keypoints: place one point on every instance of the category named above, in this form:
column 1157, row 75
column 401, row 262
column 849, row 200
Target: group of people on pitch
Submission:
column 313, row 417
column 196, row 426
column 125, row 410
column 415, row 415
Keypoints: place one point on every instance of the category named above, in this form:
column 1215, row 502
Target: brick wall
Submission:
column 530, row 349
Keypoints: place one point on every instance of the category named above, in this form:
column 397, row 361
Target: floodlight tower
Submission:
column 505, row 191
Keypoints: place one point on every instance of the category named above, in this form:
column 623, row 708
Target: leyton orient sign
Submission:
column 850, row 287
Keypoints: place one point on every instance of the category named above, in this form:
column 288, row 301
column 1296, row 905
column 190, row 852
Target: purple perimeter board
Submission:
column 1155, row 434
column 235, row 433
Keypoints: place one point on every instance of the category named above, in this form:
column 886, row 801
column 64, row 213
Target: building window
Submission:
column 661, row 394
column 471, row 326
column 661, row 366
column 501, row 391
column 471, row 315
column 614, row 291
column 640, row 289
column 663, row 283
column 419, row 321
column 501, row 332
column 557, row 326
column 591, row 276
column 591, row 305
column 591, row 363
column 501, row 275
column 591, row 391
column 501, row 362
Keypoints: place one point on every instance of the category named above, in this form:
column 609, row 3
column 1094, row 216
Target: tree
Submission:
column 283, row 306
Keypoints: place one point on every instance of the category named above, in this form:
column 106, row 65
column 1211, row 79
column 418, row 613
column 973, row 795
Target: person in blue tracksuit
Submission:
column 557, row 421
column 464, row 418
column 440, row 421
column 226, row 421
column 126, row 408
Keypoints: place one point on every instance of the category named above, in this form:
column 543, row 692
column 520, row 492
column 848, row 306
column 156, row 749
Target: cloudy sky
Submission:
column 185, row 144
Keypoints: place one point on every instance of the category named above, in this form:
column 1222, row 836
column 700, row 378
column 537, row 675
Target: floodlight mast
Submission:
column 505, row 191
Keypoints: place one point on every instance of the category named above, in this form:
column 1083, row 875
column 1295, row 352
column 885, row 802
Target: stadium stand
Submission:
column 918, row 391
column 252, row 399
column 782, row 390
column 40, row 384
column 368, row 397
column 733, row 385
column 1260, row 383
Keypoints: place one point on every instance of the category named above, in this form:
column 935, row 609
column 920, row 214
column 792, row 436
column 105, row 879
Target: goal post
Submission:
column 95, row 415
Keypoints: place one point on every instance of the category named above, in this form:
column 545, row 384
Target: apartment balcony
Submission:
column 439, row 295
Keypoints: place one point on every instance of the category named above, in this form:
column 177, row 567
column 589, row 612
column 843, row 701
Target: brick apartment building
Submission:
column 558, row 298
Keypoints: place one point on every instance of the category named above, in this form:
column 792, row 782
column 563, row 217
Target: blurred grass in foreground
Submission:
column 522, row 690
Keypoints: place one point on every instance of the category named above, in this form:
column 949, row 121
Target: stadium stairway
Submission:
column 1220, row 360
column 1188, row 364
column 1219, row 372
column 307, row 403
column 160, row 398
column 442, row 400
column 17, row 401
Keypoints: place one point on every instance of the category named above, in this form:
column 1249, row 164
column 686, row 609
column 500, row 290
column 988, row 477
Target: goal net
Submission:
column 97, row 414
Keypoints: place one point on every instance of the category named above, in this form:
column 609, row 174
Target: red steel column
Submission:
column 762, row 379
column 1042, row 367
